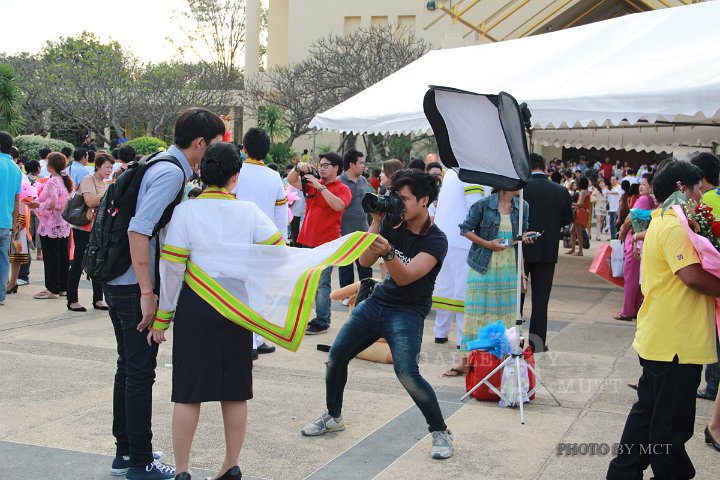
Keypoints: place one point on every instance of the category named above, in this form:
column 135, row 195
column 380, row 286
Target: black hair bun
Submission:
column 220, row 162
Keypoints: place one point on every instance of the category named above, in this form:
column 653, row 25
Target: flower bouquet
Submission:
column 704, row 233
column 640, row 219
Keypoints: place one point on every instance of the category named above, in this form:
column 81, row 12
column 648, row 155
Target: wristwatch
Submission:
column 390, row 255
column 323, row 188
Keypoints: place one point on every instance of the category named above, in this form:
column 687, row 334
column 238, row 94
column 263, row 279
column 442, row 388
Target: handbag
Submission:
column 585, row 239
column 75, row 211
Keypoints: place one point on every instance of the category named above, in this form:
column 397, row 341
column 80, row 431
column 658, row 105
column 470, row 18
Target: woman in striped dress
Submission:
column 20, row 255
column 491, row 224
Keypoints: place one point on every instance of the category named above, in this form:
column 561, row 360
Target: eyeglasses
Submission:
column 325, row 165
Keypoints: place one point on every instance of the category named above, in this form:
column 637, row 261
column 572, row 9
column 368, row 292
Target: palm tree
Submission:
column 270, row 117
column 11, row 102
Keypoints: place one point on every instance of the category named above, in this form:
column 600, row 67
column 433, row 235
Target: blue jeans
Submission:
column 322, row 300
column 134, row 378
column 346, row 274
column 612, row 216
column 712, row 374
column 5, row 235
column 403, row 329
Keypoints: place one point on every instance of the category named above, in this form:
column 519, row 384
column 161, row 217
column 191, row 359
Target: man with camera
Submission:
column 326, row 199
column 413, row 249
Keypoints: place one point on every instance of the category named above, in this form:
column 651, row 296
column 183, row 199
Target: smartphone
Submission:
column 532, row 236
column 505, row 242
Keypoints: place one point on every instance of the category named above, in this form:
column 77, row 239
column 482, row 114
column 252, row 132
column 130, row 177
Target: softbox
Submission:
column 480, row 136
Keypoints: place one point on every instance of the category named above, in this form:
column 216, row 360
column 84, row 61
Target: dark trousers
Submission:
column 134, row 378
column 541, row 278
column 659, row 424
column 294, row 230
column 82, row 238
column 346, row 274
column 55, row 263
column 24, row 273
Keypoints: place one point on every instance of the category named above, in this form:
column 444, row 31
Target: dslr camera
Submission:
column 304, row 182
column 388, row 203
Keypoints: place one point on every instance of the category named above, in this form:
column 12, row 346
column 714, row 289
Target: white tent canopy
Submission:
column 659, row 66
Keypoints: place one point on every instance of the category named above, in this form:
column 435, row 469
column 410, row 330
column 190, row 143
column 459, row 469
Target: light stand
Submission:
column 483, row 137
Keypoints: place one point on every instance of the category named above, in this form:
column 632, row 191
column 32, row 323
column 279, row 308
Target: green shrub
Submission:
column 31, row 145
column 280, row 154
column 147, row 145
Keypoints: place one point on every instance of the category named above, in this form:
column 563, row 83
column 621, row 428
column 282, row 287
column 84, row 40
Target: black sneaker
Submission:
column 315, row 329
column 441, row 339
column 153, row 471
column 121, row 464
column 255, row 354
column 265, row 348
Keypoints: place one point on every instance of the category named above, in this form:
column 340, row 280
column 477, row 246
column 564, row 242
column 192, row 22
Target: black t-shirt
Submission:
column 417, row 295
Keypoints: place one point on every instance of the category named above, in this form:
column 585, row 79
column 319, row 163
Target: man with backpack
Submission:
column 131, row 295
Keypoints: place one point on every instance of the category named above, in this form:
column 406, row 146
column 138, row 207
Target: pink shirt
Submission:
column 52, row 202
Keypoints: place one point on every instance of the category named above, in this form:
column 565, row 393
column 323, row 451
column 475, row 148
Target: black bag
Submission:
column 107, row 255
column 586, row 239
column 75, row 211
column 367, row 285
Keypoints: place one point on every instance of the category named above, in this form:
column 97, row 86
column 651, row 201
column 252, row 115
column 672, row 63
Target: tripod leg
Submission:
column 490, row 385
column 540, row 381
column 519, row 390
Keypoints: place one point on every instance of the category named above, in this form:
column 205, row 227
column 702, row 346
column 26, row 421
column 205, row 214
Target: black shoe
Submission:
column 710, row 440
column 265, row 348
column 233, row 474
column 77, row 309
column 441, row 339
column 100, row 307
column 183, row 476
column 254, row 354
column 705, row 395
column 315, row 329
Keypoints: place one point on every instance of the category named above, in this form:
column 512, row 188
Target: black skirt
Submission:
column 212, row 356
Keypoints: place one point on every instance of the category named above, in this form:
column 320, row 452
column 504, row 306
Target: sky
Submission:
column 141, row 26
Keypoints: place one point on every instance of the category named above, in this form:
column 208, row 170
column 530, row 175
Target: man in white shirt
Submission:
column 630, row 176
column 613, row 204
column 262, row 186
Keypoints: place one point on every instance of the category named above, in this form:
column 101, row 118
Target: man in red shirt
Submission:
column 606, row 169
column 326, row 200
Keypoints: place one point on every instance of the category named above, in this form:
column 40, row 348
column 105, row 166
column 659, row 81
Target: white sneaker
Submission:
column 21, row 282
column 442, row 445
column 325, row 423
column 346, row 302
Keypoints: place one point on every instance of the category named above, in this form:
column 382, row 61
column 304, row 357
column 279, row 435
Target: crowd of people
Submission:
column 451, row 247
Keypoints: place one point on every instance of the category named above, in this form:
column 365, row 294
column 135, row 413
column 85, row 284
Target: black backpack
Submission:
column 107, row 255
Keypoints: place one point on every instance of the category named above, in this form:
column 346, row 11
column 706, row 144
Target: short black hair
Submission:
column 257, row 143
column 432, row 165
column 44, row 152
column 272, row 166
column 670, row 173
column 79, row 154
column 6, row 142
column 32, row 166
column 126, row 153
column 537, row 162
column 629, row 171
column 584, row 183
column 417, row 163
column 14, row 152
column 67, row 151
column 351, row 156
column 635, row 189
column 709, row 165
column 333, row 158
column 421, row 184
column 220, row 162
column 194, row 123
column 556, row 177
column 114, row 153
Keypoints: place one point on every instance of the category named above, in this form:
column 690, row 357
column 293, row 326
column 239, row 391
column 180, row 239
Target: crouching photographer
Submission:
column 413, row 249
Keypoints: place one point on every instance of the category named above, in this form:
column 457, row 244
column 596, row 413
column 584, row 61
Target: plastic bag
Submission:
column 509, row 384
column 492, row 339
column 617, row 258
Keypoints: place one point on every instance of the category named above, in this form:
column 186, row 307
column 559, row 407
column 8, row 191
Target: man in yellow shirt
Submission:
column 675, row 337
column 709, row 164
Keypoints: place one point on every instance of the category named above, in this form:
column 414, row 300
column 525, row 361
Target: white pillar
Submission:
column 252, row 49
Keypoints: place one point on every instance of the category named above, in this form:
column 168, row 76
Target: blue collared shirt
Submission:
column 10, row 185
column 158, row 189
column 483, row 218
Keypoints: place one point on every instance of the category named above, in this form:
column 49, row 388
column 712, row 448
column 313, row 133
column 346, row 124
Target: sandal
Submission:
column 454, row 372
column 620, row 316
column 45, row 295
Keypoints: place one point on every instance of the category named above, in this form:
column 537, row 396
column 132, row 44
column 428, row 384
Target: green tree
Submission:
column 270, row 118
column 11, row 102
column 87, row 83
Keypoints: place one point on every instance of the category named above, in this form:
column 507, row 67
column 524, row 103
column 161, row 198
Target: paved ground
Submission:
column 56, row 370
